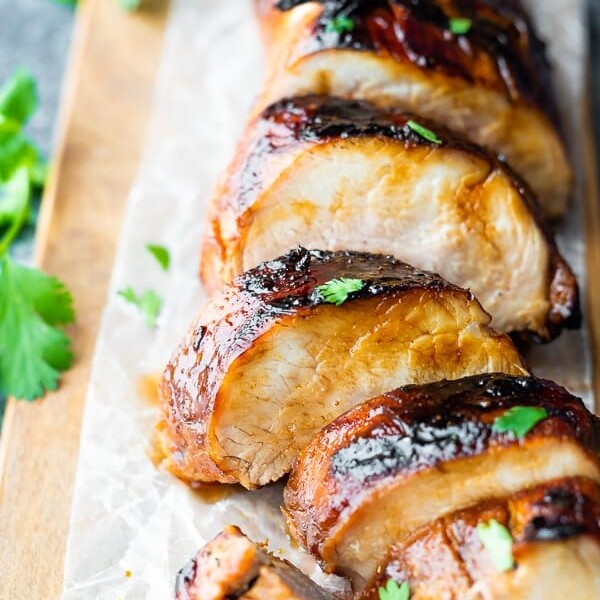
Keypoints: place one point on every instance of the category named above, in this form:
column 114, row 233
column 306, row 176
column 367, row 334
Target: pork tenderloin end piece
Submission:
column 491, row 82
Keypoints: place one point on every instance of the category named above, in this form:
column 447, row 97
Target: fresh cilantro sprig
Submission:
column 33, row 306
column 496, row 539
column 394, row 591
column 423, row 132
column 340, row 25
column 519, row 420
column 460, row 26
column 149, row 303
column 337, row 291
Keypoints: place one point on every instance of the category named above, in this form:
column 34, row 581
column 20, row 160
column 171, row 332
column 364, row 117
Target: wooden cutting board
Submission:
column 108, row 92
column 105, row 111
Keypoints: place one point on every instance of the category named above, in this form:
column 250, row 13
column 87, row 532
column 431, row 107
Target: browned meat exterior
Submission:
column 555, row 530
column 269, row 361
column 231, row 566
column 490, row 81
column 395, row 463
column 337, row 174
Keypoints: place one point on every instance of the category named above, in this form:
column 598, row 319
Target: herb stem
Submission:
column 13, row 231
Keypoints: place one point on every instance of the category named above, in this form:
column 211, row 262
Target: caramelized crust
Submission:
column 492, row 82
column 344, row 175
column 268, row 362
column 559, row 519
column 231, row 566
column 397, row 462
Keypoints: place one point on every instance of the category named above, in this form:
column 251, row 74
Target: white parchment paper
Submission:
column 133, row 526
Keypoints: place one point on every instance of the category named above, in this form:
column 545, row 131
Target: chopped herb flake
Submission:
column 395, row 591
column 496, row 539
column 337, row 291
column 161, row 254
column 149, row 304
column 519, row 420
column 423, row 132
column 460, row 26
column 339, row 25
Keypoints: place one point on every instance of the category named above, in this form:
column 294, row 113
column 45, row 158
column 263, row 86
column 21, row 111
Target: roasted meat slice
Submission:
column 555, row 531
column 475, row 65
column 402, row 460
column 231, row 566
column 337, row 174
column 297, row 341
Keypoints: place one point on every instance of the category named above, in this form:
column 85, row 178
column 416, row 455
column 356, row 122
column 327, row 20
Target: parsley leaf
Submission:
column 423, row 132
column 14, row 203
column 519, row 420
column 395, row 591
column 339, row 25
column 33, row 350
column 460, row 26
column 161, row 254
column 18, row 97
column 496, row 539
column 149, row 304
column 337, row 291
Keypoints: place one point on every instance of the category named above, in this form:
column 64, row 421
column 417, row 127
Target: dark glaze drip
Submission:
column 416, row 427
column 185, row 579
column 501, row 46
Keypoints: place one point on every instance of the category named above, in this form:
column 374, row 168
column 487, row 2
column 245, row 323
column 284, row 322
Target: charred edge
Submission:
column 500, row 28
column 451, row 420
column 185, row 580
column 291, row 281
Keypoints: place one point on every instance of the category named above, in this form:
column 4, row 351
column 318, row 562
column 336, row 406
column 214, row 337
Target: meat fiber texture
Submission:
column 127, row 516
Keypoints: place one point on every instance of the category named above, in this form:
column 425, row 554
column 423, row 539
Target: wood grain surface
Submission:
column 108, row 92
column 105, row 111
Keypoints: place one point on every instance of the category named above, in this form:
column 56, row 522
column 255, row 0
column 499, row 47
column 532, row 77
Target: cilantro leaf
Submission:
column 460, row 26
column 519, row 420
column 395, row 591
column 15, row 151
column 496, row 539
column 32, row 350
column 130, row 5
column 339, row 25
column 423, row 132
column 161, row 254
column 14, row 201
column 149, row 304
column 18, row 97
column 337, row 291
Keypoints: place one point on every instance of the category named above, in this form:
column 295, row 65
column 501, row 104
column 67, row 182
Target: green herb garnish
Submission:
column 496, row 539
column 460, row 26
column 337, row 291
column 161, row 254
column 339, row 25
column 33, row 305
column 519, row 420
column 395, row 591
column 423, row 132
column 130, row 5
column 148, row 304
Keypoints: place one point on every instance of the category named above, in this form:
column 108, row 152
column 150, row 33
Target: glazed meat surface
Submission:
column 491, row 81
column 397, row 462
column 231, row 566
column 336, row 174
column 555, row 531
column 269, row 362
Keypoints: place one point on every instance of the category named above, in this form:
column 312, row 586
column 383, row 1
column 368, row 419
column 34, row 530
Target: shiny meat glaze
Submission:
column 344, row 175
column 556, row 546
column 231, row 566
column 268, row 363
column 492, row 83
column 399, row 461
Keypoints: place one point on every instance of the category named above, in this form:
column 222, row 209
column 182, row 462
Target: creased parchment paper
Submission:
column 133, row 526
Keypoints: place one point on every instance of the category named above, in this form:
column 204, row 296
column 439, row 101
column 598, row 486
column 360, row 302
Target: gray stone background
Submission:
column 36, row 34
